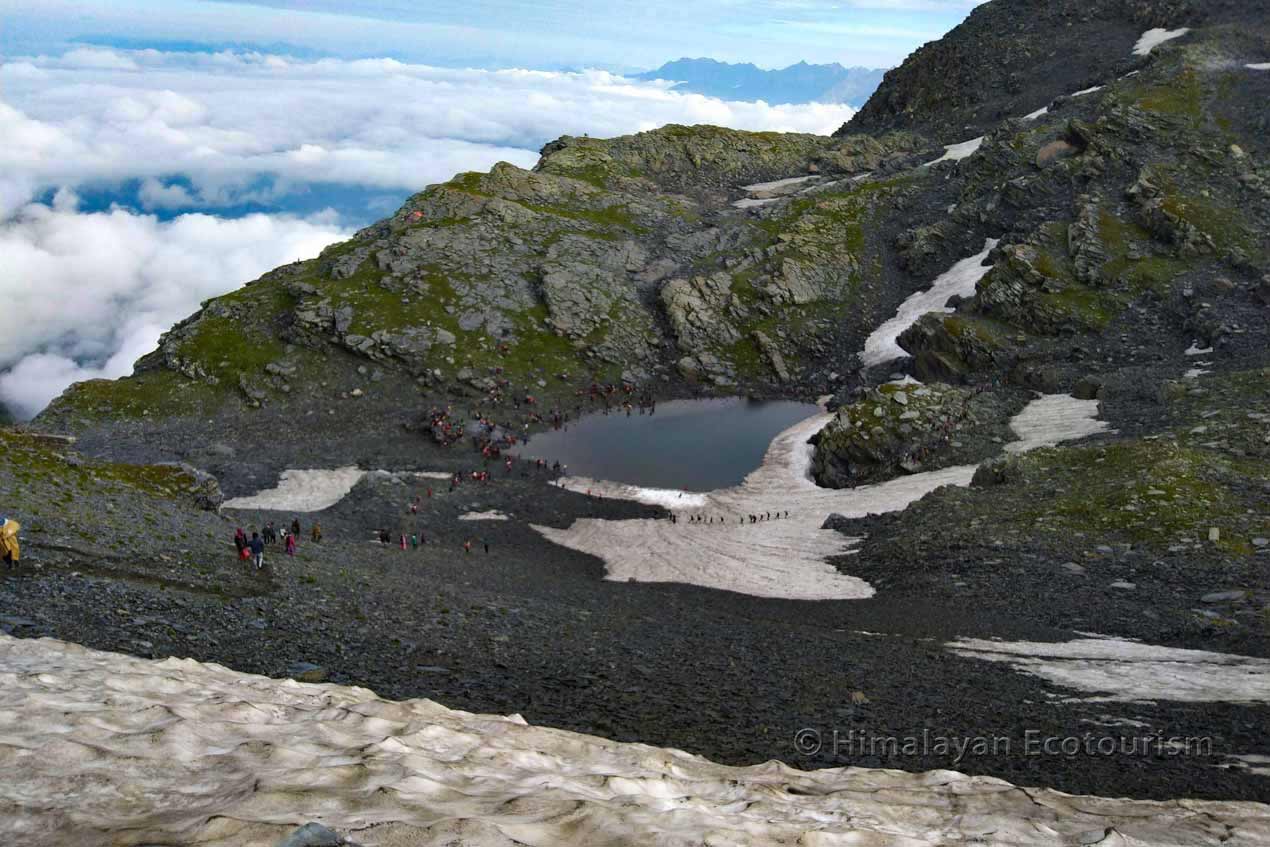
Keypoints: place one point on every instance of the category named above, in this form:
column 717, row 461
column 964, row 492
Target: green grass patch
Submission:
column 1152, row 492
column 1182, row 97
column 155, row 392
column 227, row 347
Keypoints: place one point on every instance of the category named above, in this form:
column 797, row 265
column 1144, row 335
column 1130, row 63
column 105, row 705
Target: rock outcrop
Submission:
column 898, row 429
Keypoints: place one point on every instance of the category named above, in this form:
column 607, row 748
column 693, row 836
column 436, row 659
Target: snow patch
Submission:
column 493, row 515
column 303, row 491
column 1044, row 110
column 671, row 498
column 763, row 193
column 961, row 279
column 1196, row 350
column 779, row 556
column 1252, row 763
column 1263, row 66
column 315, row 489
column 101, row 748
column 1153, row 38
column 1128, row 671
column 776, row 185
column 957, row 152
column 1053, row 419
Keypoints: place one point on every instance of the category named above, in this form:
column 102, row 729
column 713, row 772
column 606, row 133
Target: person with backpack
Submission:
column 10, row 550
column 257, row 547
column 291, row 544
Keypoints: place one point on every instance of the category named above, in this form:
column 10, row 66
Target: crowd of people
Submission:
column 253, row 548
column 493, row 439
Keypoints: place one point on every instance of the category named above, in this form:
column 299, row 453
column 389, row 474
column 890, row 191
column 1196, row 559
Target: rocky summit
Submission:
column 1055, row 199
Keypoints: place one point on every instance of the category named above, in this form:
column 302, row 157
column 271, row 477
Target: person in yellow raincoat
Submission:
column 9, row 549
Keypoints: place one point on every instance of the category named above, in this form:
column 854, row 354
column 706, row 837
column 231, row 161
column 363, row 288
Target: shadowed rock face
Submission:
column 1009, row 58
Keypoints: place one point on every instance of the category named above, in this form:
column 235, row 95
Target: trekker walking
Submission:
column 291, row 544
column 257, row 547
column 317, row 533
column 295, row 526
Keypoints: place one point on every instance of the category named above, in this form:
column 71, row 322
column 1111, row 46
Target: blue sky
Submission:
column 550, row 34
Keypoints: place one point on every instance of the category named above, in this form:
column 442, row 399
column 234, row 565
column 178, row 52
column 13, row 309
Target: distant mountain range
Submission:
column 800, row 83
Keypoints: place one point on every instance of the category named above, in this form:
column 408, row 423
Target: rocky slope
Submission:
column 1129, row 218
column 618, row 260
column 1008, row 59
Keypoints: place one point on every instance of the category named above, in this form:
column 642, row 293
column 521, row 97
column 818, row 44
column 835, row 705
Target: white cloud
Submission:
column 93, row 58
column 222, row 120
column 86, row 294
column 155, row 195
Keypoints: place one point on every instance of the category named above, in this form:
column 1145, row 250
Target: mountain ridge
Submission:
column 798, row 83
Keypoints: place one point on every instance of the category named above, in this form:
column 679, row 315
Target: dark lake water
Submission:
column 695, row 445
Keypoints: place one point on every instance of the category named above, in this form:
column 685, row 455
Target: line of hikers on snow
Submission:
column 710, row 519
column 253, row 548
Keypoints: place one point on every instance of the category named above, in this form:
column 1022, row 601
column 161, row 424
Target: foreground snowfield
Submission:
column 99, row 748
